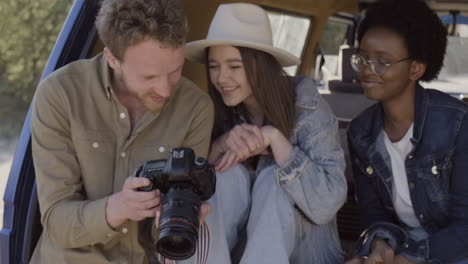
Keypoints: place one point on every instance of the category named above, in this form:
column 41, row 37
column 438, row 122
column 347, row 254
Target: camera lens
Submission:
column 178, row 225
column 176, row 246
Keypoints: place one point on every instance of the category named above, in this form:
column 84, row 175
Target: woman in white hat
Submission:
column 280, row 167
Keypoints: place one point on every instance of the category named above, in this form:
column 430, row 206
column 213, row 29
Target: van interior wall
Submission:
column 320, row 10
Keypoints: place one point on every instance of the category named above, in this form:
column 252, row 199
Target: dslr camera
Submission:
column 186, row 181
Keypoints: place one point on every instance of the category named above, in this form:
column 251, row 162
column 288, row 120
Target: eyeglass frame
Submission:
column 371, row 64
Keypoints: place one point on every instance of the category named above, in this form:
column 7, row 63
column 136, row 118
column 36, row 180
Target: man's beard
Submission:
column 144, row 98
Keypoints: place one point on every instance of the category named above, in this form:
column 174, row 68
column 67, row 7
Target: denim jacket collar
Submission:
column 421, row 106
column 305, row 97
column 372, row 123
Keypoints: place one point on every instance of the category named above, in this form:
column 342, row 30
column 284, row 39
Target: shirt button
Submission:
column 122, row 115
column 124, row 230
column 411, row 185
column 370, row 170
column 161, row 149
column 122, row 154
column 95, row 145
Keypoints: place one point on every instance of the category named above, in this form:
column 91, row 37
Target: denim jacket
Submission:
column 313, row 177
column 437, row 171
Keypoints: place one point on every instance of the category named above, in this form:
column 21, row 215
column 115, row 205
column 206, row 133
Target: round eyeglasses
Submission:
column 359, row 64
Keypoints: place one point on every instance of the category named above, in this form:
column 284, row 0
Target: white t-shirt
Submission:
column 401, row 196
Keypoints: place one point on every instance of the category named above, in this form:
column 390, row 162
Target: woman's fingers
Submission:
column 236, row 143
column 226, row 161
column 245, row 140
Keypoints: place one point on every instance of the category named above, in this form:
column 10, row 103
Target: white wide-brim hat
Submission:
column 242, row 25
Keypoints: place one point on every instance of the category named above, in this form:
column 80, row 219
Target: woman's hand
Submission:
column 381, row 253
column 227, row 160
column 236, row 145
column 399, row 259
column 280, row 145
column 244, row 140
column 355, row 260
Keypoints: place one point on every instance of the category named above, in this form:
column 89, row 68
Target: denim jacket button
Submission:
column 411, row 185
column 434, row 170
column 369, row 170
column 410, row 157
column 421, row 216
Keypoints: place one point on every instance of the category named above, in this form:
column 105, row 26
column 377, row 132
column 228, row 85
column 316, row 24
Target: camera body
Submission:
column 185, row 180
column 181, row 168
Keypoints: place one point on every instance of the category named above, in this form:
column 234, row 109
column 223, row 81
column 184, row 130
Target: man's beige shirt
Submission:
column 84, row 149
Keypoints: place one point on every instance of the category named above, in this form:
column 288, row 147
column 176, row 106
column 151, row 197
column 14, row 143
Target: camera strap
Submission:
column 145, row 238
column 203, row 245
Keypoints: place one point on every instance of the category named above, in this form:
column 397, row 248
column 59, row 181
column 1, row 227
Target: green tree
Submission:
column 333, row 36
column 29, row 30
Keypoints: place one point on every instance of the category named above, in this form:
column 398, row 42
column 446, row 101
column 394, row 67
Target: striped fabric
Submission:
column 203, row 246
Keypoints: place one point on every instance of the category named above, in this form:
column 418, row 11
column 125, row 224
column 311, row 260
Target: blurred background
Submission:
column 28, row 33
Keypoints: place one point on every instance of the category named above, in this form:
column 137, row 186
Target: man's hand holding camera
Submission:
column 130, row 203
column 182, row 184
column 136, row 205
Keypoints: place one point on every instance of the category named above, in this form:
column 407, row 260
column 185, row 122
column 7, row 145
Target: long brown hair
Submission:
column 271, row 86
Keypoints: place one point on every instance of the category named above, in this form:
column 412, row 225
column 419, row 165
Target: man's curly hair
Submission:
column 424, row 34
column 123, row 23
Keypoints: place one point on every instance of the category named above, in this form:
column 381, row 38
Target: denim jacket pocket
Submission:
column 435, row 175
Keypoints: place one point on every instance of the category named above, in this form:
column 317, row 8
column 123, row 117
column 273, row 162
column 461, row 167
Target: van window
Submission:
column 334, row 35
column 289, row 33
column 338, row 32
column 453, row 76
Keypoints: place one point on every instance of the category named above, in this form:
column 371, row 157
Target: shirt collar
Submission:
column 105, row 76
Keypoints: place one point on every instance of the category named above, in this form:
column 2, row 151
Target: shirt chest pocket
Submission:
column 435, row 173
column 96, row 154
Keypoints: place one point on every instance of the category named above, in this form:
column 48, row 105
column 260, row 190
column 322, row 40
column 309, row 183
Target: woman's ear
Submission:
column 417, row 70
column 113, row 62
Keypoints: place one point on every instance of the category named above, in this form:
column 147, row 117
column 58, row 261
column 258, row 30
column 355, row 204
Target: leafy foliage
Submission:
column 333, row 36
column 29, row 30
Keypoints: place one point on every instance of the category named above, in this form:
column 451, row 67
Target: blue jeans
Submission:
column 275, row 231
column 464, row 261
column 421, row 235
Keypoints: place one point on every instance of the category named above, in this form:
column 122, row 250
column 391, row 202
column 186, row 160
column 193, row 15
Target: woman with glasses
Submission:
column 410, row 150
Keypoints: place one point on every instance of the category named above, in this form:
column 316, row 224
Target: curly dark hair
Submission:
column 424, row 34
column 123, row 23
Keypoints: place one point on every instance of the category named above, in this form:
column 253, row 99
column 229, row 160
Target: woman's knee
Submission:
column 266, row 181
column 236, row 178
column 266, row 191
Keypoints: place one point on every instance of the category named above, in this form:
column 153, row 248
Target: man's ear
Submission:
column 417, row 70
column 113, row 62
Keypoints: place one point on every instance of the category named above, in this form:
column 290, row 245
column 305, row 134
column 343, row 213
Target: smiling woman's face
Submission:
column 385, row 46
column 227, row 74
